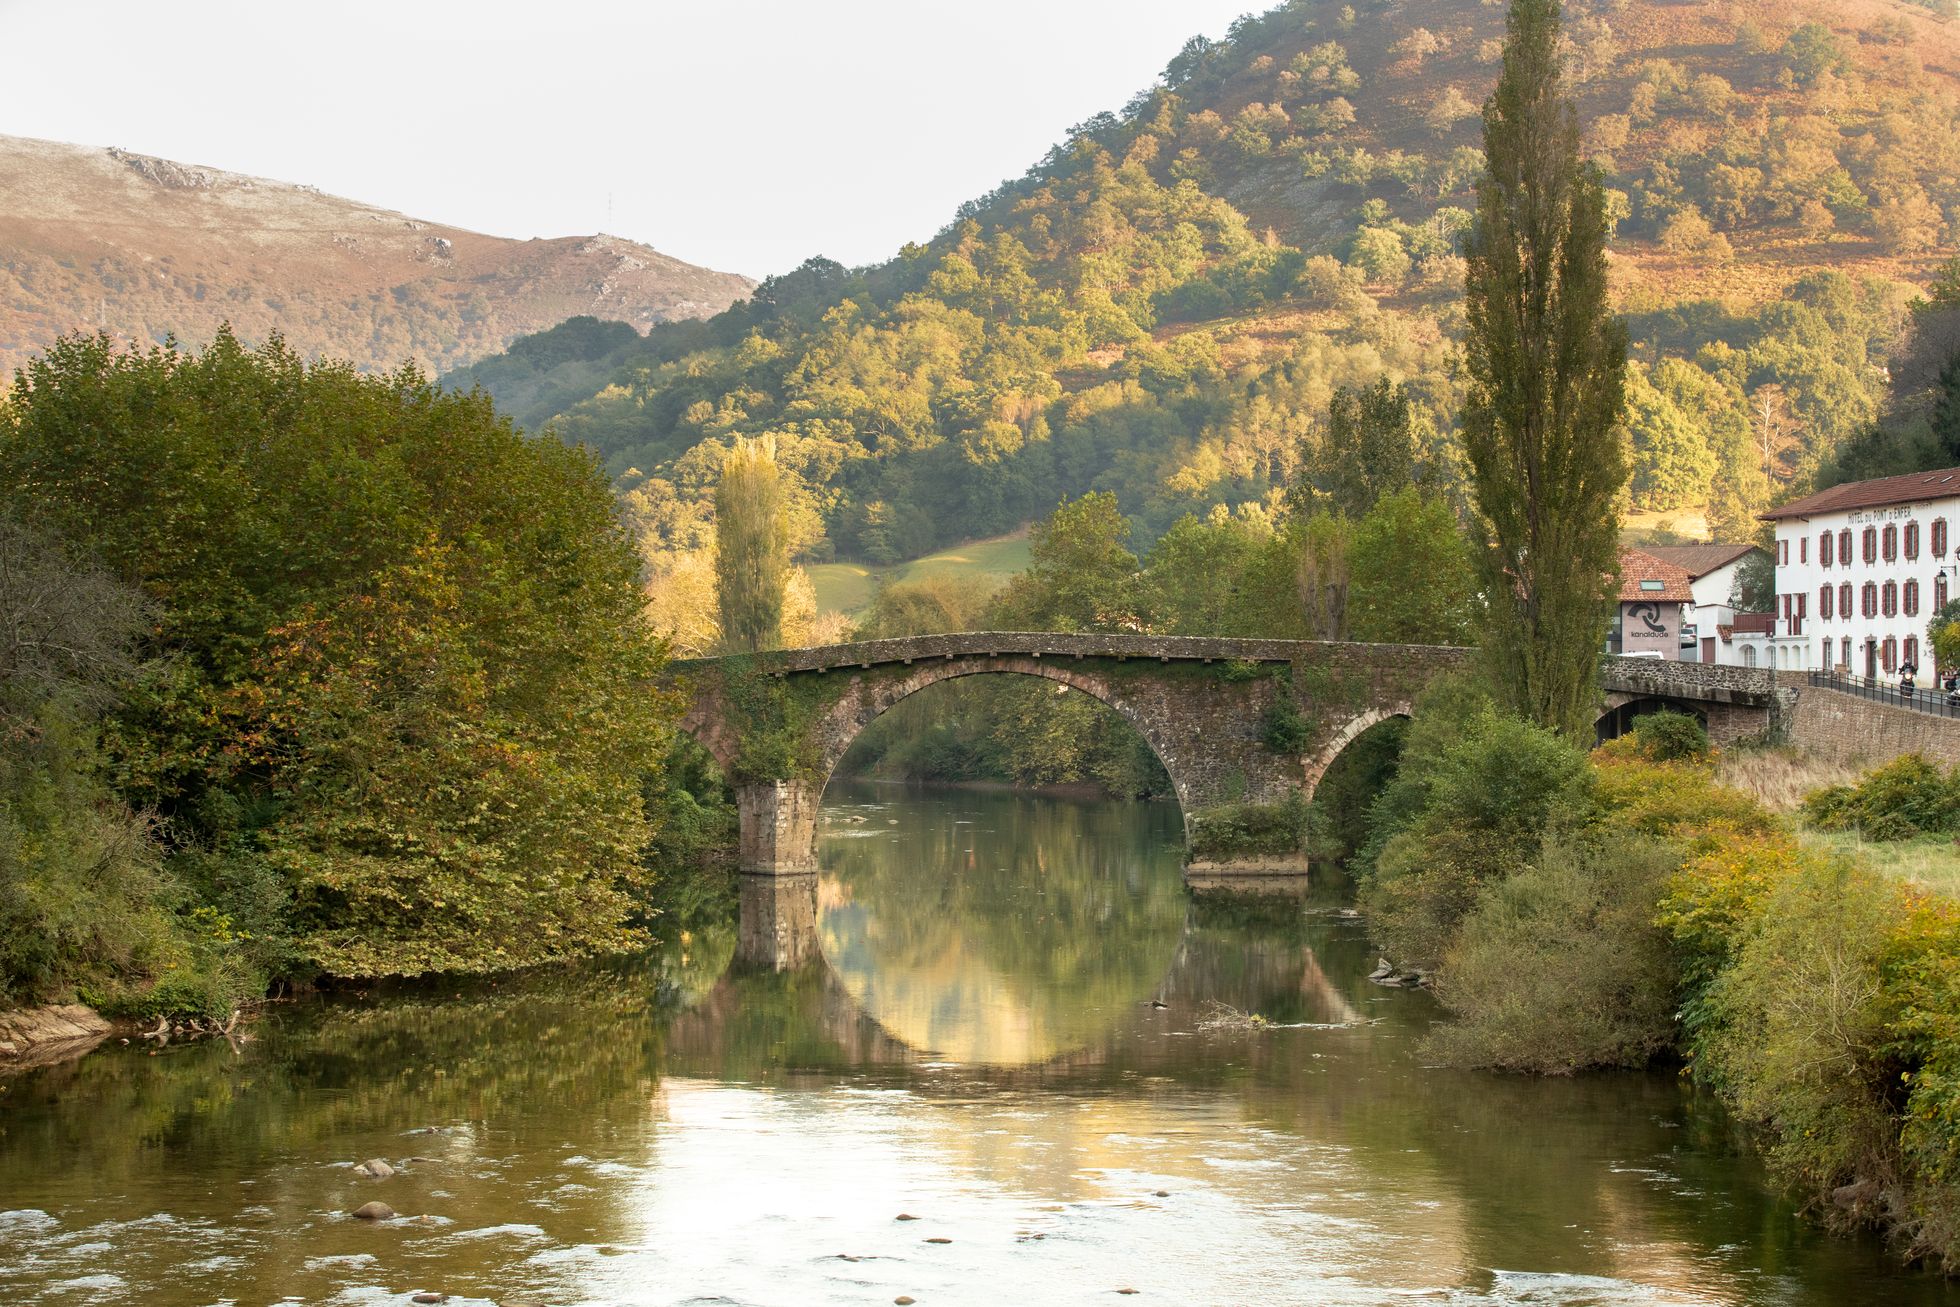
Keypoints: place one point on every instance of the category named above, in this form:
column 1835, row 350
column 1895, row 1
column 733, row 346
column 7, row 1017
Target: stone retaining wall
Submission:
column 1857, row 732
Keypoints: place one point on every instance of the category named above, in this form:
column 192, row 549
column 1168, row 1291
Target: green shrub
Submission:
column 1284, row 728
column 1443, row 714
column 1249, row 830
column 1796, row 1035
column 1906, row 797
column 1668, row 736
column 1488, row 803
column 1921, row 974
column 1562, row 967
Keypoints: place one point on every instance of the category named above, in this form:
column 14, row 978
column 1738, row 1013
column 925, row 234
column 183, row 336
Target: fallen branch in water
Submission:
column 1223, row 1016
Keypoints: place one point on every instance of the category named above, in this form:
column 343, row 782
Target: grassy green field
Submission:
column 1931, row 860
column 848, row 587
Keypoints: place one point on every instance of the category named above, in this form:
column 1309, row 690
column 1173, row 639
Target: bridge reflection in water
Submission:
column 1005, row 931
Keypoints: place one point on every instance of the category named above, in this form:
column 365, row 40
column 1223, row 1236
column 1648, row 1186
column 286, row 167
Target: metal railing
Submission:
column 1922, row 699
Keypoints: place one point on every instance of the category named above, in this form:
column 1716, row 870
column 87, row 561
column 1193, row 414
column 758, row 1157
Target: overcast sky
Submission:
column 745, row 135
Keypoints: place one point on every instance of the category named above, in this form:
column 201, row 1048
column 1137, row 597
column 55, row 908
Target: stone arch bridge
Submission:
column 1243, row 727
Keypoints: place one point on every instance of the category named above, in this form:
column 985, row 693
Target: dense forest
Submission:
column 1164, row 306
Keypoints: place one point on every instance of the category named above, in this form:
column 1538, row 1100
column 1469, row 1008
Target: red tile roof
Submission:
column 1663, row 581
column 1698, row 560
column 1943, row 484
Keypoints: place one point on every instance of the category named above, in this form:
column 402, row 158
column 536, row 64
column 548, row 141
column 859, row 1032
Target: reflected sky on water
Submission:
column 977, row 1045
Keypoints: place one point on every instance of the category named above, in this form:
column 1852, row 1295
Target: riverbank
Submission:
column 1590, row 911
column 38, row 1036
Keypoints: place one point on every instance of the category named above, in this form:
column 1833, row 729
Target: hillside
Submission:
column 145, row 248
column 1163, row 305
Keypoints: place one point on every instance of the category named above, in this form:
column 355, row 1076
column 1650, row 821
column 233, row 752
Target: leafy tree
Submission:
column 1946, row 410
column 1812, row 51
column 1324, row 574
column 1451, row 108
column 1379, row 254
column 1672, row 463
column 1944, row 293
column 1368, row 450
column 1411, row 576
column 751, row 547
column 84, row 899
column 1546, row 360
column 1754, row 589
column 931, row 605
column 1943, row 635
column 386, row 616
column 1081, row 578
column 1195, row 579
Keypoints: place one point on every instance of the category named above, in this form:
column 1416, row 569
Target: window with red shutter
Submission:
column 1844, row 546
column 1891, row 542
column 1871, row 545
column 1868, row 601
column 1912, row 540
column 1891, row 599
column 1939, row 592
column 1844, row 601
column 1912, row 650
column 1823, row 603
column 1939, row 537
column 1912, row 599
column 1824, row 550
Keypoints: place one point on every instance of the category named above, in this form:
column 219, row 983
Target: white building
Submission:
column 1708, row 626
column 1860, row 570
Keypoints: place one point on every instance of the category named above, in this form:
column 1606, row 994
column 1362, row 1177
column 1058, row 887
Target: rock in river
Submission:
column 374, row 1212
column 376, row 1168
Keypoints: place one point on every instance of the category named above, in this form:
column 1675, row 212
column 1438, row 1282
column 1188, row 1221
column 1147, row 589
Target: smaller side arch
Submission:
column 1315, row 768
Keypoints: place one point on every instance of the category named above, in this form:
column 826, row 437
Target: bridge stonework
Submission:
column 1240, row 725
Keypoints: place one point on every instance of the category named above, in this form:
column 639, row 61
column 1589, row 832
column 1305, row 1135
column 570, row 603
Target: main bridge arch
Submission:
column 840, row 727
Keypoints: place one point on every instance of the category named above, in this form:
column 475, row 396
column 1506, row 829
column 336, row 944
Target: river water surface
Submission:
column 980, row 1047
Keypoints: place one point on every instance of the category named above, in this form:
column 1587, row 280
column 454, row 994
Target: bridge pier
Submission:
column 778, row 826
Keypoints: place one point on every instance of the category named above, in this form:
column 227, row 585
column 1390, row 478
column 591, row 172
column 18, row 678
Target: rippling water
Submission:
column 976, row 1047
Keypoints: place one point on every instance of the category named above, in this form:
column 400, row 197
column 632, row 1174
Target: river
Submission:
column 1022, row 1032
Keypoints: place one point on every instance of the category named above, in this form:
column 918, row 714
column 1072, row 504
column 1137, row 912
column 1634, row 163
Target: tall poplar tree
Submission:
column 1547, row 364
column 751, row 547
